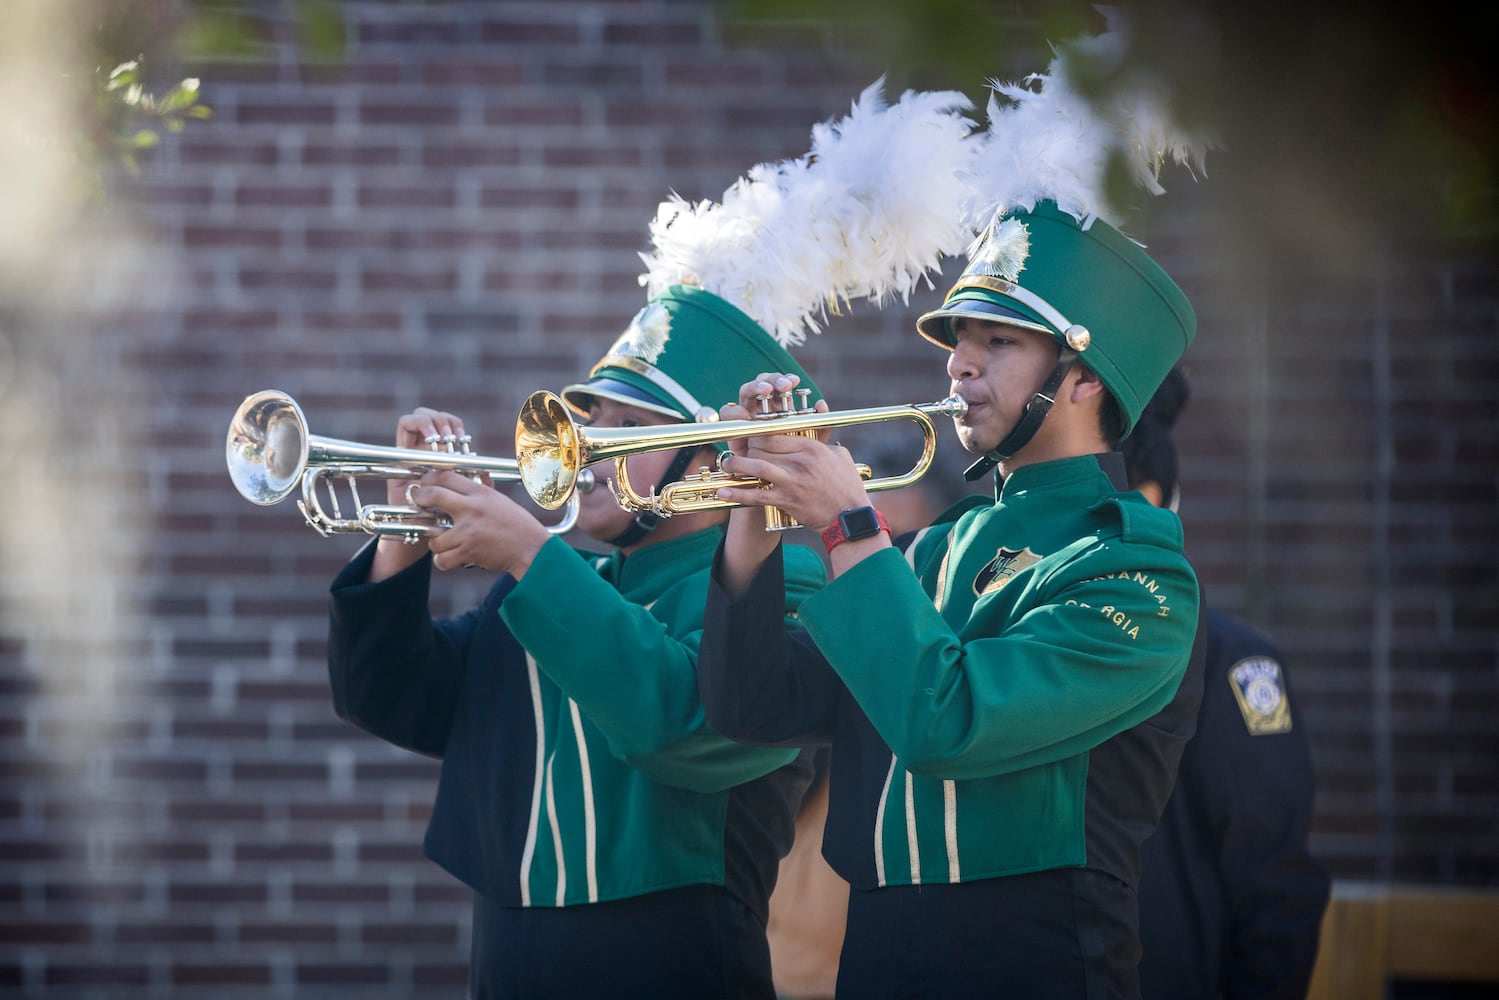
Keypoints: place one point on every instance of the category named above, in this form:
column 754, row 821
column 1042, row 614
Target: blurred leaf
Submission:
column 130, row 118
column 123, row 75
column 184, row 95
column 211, row 31
column 321, row 32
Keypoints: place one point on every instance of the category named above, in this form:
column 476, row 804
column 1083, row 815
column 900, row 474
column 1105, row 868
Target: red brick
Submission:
column 289, row 194
column 355, row 153
column 87, row 972
column 422, row 113
column 220, row 974
column 526, row 32
column 304, row 111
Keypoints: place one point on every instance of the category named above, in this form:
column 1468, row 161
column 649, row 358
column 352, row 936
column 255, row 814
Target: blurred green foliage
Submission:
column 218, row 30
column 1331, row 114
column 1335, row 114
column 131, row 118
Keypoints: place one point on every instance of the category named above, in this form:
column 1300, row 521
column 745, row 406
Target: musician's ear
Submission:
column 1088, row 384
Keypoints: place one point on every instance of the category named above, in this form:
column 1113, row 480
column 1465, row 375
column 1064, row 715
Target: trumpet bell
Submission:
column 270, row 454
column 267, row 447
column 548, row 452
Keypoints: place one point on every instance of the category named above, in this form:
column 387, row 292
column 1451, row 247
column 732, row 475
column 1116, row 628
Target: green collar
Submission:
column 1106, row 470
column 650, row 566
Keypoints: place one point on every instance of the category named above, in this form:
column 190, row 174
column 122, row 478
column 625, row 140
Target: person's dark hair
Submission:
column 1110, row 417
column 1150, row 451
column 1111, row 420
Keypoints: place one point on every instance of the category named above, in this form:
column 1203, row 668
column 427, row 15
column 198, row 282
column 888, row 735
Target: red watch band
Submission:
column 834, row 534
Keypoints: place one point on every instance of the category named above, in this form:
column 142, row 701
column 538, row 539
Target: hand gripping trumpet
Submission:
column 551, row 450
column 270, row 452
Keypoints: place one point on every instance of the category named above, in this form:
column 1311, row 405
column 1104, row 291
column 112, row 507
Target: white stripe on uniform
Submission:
column 530, row 852
column 590, row 826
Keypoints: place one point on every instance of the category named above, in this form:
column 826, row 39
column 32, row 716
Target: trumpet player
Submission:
column 615, row 844
column 1007, row 701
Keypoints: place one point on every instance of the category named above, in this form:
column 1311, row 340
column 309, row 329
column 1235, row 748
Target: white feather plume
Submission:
column 867, row 213
column 1051, row 142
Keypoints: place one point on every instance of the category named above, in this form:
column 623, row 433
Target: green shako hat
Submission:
column 683, row 356
column 1092, row 288
column 1047, row 255
column 866, row 213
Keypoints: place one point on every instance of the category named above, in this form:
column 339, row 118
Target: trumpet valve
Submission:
column 777, row 519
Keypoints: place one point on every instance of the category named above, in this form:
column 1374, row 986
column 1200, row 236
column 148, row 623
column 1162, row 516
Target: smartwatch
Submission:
column 854, row 524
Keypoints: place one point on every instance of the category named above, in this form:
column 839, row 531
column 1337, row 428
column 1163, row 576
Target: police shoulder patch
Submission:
column 1261, row 693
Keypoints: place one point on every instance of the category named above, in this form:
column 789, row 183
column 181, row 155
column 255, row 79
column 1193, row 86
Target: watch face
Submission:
column 860, row 522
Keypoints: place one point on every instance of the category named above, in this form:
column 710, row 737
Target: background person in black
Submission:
column 1231, row 899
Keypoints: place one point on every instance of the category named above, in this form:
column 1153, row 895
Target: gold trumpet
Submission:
column 270, row 452
column 551, row 450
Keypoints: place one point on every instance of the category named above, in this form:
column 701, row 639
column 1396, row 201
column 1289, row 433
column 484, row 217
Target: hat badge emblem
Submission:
column 646, row 336
column 1002, row 251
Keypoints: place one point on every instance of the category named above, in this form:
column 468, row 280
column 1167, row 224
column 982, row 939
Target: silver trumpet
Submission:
column 270, row 452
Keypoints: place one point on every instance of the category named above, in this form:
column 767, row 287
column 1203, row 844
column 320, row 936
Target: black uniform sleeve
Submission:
column 393, row 671
column 759, row 682
column 1257, row 791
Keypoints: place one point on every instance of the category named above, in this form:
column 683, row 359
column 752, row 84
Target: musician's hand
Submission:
column 489, row 529
column 811, row 480
column 773, row 385
column 423, row 429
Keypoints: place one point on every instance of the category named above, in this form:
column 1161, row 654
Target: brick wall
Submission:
column 452, row 218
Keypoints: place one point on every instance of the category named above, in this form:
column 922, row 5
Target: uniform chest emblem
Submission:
column 1261, row 695
column 1003, row 568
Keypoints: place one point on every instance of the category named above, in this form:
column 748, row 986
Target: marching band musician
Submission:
column 616, row 844
column 1006, row 720
column 1007, row 699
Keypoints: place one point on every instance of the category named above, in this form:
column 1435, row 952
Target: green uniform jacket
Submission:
column 1033, row 630
column 577, row 763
